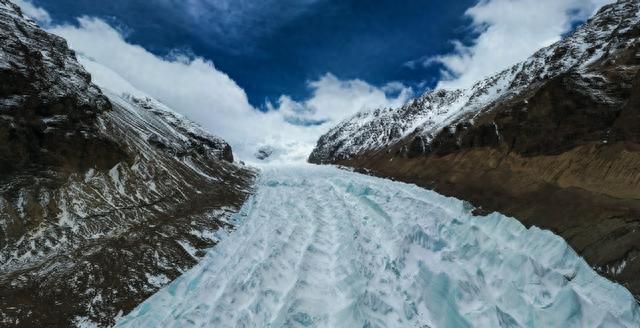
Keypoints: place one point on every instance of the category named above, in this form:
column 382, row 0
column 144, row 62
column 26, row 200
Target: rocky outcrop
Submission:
column 47, row 102
column 264, row 153
column 104, row 198
column 553, row 141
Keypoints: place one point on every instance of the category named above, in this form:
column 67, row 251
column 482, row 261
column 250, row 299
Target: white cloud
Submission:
column 334, row 99
column 195, row 88
column 509, row 32
column 170, row 81
column 36, row 13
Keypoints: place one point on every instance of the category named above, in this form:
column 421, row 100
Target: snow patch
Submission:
column 158, row 280
column 84, row 322
column 188, row 248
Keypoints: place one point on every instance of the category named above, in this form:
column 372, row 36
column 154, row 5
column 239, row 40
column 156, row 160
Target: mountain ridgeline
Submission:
column 104, row 198
column 553, row 141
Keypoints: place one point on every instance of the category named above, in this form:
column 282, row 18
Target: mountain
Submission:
column 104, row 197
column 553, row 141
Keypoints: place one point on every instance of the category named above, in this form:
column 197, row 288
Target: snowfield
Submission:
column 321, row 247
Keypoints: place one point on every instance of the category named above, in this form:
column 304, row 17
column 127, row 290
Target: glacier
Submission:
column 317, row 246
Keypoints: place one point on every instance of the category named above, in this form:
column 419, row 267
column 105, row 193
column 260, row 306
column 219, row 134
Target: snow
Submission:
column 431, row 113
column 114, row 173
column 84, row 322
column 323, row 247
column 192, row 251
column 158, row 280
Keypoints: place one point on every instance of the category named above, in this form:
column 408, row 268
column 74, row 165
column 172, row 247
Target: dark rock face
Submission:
column 553, row 141
column 627, row 126
column 264, row 153
column 104, row 198
column 46, row 116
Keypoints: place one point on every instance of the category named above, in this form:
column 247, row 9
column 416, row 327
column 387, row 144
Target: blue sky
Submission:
column 273, row 47
column 281, row 73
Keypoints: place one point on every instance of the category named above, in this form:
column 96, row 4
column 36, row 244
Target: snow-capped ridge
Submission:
column 105, row 195
column 57, row 63
column 603, row 34
column 177, row 125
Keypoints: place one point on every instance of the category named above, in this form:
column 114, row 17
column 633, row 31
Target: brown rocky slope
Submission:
column 556, row 143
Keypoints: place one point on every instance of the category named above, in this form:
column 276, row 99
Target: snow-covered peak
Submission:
column 174, row 128
column 608, row 32
column 41, row 60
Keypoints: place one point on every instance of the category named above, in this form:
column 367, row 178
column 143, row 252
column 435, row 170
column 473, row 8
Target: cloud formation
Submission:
column 38, row 14
column 173, row 81
column 195, row 88
column 334, row 99
column 509, row 31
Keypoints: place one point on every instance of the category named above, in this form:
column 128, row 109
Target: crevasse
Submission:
column 322, row 247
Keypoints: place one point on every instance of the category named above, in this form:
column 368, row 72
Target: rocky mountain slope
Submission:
column 553, row 141
column 104, row 198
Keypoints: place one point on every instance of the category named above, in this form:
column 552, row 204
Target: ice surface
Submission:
column 321, row 247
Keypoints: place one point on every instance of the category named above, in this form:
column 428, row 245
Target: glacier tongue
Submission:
column 321, row 247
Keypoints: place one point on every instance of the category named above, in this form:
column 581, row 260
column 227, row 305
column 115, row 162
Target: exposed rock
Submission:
column 264, row 153
column 104, row 198
column 553, row 141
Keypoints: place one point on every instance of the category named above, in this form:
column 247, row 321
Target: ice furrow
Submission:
column 320, row 247
column 314, row 288
column 279, row 260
